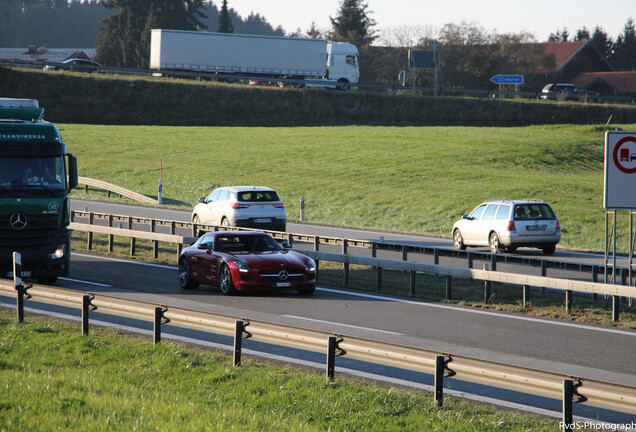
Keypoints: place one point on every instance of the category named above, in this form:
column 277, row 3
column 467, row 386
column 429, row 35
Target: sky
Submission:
column 538, row 17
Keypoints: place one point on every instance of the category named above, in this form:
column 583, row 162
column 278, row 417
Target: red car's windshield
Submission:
column 235, row 243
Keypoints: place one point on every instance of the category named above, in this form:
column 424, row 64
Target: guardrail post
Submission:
column 111, row 241
column 568, row 417
column 317, row 248
column 470, row 259
column 86, row 301
column 493, row 262
column 615, row 308
column 526, row 296
column 439, row 380
column 238, row 342
column 155, row 249
column 378, row 279
column 405, row 253
column 133, row 243
column 595, row 279
column 436, row 256
column 157, row 327
column 290, row 239
column 449, row 286
column 331, row 359
column 345, row 244
column 544, row 273
column 568, row 301
column 486, row 286
column 412, row 284
column 17, row 283
column 89, row 241
column 173, row 227
column 153, row 225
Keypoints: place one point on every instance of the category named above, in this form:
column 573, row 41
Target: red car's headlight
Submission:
column 242, row 267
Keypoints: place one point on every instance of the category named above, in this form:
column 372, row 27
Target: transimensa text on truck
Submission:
column 232, row 57
column 36, row 175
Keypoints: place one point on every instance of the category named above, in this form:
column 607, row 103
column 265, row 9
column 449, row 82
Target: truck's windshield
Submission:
column 21, row 173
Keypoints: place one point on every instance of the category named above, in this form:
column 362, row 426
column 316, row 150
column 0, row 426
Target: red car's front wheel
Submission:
column 226, row 284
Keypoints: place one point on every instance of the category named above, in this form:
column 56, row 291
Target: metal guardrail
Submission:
column 488, row 274
column 571, row 390
column 111, row 188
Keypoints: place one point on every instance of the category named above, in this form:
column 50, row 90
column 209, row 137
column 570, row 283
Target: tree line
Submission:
column 120, row 30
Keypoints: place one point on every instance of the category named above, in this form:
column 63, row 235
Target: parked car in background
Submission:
column 77, row 65
column 245, row 261
column 507, row 225
column 242, row 206
column 569, row 92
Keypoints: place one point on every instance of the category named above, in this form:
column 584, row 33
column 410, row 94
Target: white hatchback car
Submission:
column 507, row 225
column 242, row 206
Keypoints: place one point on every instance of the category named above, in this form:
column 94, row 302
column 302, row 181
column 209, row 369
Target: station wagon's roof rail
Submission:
column 513, row 201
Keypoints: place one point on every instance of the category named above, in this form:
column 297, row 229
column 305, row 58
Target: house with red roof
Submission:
column 615, row 83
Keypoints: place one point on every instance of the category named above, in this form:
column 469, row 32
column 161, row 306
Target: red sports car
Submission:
column 245, row 260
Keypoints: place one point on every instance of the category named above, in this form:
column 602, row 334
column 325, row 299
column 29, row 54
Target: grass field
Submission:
column 406, row 179
column 54, row 379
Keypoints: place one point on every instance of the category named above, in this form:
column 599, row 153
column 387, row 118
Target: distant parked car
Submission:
column 245, row 261
column 242, row 206
column 77, row 65
column 569, row 92
column 507, row 225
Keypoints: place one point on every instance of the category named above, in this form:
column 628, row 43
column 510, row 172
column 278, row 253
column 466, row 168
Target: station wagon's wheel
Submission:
column 196, row 219
column 458, row 240
column 549, row 249
column 185, row 278
column 226, row 284
column 225, row 222
column 494, row 243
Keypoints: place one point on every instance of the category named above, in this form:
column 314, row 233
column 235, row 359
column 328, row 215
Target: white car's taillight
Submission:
column 511, row 226
column 279, row 205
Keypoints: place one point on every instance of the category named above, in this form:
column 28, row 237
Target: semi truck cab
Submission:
column 36, row 176
column 343, row 63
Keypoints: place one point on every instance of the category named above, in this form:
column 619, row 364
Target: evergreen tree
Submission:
column 582, row 34
column 225, row 21
column 602, row 42
column 125, row 39
column 353, row 24
column 624, row 55
column 559, row 36
column 313, row 31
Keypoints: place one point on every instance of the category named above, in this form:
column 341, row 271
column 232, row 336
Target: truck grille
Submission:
column 39, row 230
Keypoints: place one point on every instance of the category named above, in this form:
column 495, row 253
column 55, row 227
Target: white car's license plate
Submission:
column 262, row 220
column 22, row 274
column 283, row 284
column 536, row 227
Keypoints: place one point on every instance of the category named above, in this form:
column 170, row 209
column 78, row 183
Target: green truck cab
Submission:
column 36, row 176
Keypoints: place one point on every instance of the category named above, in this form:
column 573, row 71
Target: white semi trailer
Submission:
column 317, row 62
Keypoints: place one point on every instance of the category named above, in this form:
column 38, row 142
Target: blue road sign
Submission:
column 507, row 79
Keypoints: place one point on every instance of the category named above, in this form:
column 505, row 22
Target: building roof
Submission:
column 621, row 81
column 44, row 55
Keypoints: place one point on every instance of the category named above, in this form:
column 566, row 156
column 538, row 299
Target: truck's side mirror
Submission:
column 72, row 171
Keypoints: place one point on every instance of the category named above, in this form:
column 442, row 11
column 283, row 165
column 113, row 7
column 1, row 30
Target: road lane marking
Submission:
column 412, row 302
column 344, row 325
column 125, row 261
column 480, row 312
column 85, row 282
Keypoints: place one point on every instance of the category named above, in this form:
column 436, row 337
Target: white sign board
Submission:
column 620, row 170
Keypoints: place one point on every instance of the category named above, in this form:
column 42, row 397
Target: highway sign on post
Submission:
column 620, row 170
column 507, row 79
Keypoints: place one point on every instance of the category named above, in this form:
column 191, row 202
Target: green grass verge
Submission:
column 55, row 379
column 406, row 179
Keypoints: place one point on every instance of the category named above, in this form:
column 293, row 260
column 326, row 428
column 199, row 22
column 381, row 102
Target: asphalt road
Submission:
column 579, row 350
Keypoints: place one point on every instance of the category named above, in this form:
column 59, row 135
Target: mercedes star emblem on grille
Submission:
column 18, row 220
column 283, row 275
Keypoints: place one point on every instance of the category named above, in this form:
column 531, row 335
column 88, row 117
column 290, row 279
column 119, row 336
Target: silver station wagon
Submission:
column 242, row 206
column 507, row 225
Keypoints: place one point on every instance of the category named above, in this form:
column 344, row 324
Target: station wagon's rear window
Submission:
column 533, row 212
column 258, row 196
